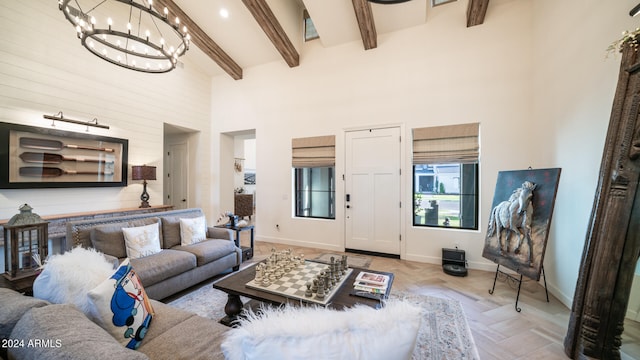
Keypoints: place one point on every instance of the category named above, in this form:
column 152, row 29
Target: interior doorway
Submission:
column 372, row 190
column 177, row 175
column 238, row 173
column 245, row 176
column 176, row 164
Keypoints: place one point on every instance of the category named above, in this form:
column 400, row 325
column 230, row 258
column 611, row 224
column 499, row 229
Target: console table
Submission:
column 58, row 223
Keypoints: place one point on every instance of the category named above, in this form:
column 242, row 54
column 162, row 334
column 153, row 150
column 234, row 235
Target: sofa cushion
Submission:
column 360, row 332
column 193, row 230
column 69, row 335
column 121, row 306
column 165, row 318
column 199, row 339
column 109, row 238
column 14, row 305
column 170, row 231
column 142, row 241
column 68, row 277
column 168, row 263
column 171, row 227
column 209, row 250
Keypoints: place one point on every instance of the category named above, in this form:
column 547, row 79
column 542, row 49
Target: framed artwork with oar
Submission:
column 34, row 157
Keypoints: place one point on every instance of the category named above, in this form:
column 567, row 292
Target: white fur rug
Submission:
column 444, row 332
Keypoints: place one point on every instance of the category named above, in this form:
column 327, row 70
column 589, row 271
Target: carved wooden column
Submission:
column 612, row 245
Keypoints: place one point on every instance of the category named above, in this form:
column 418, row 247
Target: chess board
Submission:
column 293, row 284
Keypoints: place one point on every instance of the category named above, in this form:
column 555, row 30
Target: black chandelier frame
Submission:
column 163, row 56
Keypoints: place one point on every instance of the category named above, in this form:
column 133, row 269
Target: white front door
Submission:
column 372, row 190
column 178, row 176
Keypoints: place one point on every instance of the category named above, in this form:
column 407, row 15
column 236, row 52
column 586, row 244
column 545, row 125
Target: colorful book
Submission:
column 372, row 278
column 370, row 289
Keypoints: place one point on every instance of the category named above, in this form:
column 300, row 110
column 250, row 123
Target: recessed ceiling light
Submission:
column 224, row 13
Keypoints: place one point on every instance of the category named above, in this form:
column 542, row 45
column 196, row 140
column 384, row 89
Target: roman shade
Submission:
column 446, row 144
column 317, row 151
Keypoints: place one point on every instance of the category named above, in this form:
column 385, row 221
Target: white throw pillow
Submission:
column 360, row 332
column 142, row 241
column 121, row 306
column 192, row 230
column 68, row 277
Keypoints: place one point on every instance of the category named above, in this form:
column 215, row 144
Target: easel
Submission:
column 510, row 279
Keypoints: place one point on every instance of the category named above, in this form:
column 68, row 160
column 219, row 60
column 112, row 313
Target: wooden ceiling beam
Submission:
column 274, row 31
column 367, row 26
column 203, row 41
column 476, row 12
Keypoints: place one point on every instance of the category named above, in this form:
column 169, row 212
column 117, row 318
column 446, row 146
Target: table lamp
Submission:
column 143, row 173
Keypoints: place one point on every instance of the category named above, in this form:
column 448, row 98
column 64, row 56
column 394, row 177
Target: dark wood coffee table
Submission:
column 235, row 286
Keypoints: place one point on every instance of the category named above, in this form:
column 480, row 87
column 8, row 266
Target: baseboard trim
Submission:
column 372, row 253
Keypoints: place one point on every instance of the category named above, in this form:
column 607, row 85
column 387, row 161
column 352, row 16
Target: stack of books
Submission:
column 371, row 283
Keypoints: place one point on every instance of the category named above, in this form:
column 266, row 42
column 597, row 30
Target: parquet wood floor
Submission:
column 498, row 330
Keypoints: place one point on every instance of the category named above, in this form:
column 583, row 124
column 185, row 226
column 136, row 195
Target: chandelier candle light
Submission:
column 128, row 33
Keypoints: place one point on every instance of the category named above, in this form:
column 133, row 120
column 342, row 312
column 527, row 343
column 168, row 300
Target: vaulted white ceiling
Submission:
column 256, row 32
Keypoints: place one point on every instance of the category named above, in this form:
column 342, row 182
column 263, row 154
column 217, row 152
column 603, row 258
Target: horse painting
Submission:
column 515, row 216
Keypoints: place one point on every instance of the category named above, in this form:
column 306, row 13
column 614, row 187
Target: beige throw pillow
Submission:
column 142, row 241
column 192, row 230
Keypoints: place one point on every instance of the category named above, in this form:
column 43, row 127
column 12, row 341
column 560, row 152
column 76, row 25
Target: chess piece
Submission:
column 321, row 290
column 328, row 285
column 314, row 287
column 259, row 273
column 308, row 292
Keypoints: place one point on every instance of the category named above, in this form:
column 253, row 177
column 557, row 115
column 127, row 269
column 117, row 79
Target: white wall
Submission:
column 440, row 73
column 574, row 84
column 44, row 69
column 534, row 76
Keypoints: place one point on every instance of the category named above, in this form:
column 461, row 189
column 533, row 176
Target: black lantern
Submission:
column 25, row 246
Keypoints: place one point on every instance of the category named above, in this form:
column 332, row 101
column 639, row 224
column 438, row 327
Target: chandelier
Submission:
column 128, row 33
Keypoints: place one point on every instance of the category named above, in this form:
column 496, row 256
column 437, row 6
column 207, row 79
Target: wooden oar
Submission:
column 48, row 158
column 46, row 172
column 47, row 144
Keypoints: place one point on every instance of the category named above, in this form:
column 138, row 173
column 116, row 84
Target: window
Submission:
column 313, row 161
column 440, row 2
column 310, row 32
column 445, row 195
column 445, row 176
column 315, row 192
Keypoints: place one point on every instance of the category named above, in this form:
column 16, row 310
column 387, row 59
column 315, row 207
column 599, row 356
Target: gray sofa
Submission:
column 173, row 269
column 31, row 328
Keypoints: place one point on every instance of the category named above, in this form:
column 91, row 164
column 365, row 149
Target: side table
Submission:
column 247, row 251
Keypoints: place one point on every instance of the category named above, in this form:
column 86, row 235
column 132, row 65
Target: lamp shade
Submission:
column 143, row 172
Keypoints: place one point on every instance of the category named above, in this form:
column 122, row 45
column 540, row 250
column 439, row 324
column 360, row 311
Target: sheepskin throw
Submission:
column 68, row 277
column 360, row 332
